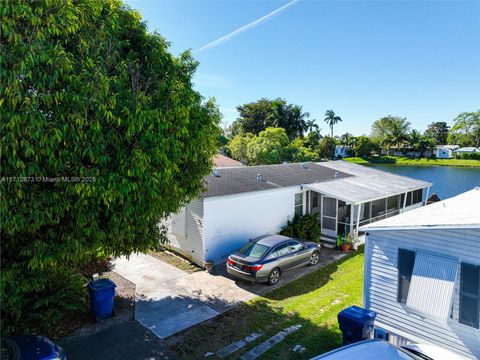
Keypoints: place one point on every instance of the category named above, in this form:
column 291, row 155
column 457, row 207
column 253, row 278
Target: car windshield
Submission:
column 253, row 250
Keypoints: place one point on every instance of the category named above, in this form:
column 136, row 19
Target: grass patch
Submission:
column 313, row 301
column 404, row 160
column 176, row 260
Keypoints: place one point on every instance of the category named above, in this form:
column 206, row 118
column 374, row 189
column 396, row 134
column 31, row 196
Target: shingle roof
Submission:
column 235, row 180
column 220, row 160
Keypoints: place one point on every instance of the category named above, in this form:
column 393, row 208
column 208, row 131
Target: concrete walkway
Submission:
column 169, row 300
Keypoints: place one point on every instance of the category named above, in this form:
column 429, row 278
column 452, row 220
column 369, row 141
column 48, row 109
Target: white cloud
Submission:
column 244, row 28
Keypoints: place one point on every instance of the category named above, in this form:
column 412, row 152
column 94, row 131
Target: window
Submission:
column 295, row 246
column 469, row 295
column 299, row 204
column 406, row 260
column 281, row 250
column 253, row 249
column 378, row 208
column 392, row 203
column 417, row 196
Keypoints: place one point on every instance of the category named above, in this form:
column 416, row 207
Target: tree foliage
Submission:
column 257, row 116
column 438, row 131
column 102, row 135
column 392, row 131
column 363, row 146
column 466, row 130
column 268, row 147
column 332, row 119
column 326, row 147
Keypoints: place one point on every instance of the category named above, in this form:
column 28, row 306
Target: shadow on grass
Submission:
column 258, row 316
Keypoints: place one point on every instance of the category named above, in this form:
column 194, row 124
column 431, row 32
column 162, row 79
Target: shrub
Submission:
column 303, row 227
column 470, row 156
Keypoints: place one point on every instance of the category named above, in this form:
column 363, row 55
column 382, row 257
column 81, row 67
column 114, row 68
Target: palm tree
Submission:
column 397, row 135
column 414, row 139
column 298, row 120
column 311, row 125
column 331, row 119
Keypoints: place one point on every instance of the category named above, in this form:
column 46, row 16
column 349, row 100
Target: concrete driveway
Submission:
column 169, row 300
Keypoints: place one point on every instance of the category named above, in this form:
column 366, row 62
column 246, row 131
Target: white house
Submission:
column 445, row 151
column 342, row 151
column 422, row 274
column 244, row 202
column 467, row 150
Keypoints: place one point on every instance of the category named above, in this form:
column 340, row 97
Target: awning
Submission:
column 431, row 287
column 366, row 184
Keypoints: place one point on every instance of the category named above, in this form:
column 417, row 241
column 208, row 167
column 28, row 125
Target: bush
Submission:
column 470, row 156
column 303, row 227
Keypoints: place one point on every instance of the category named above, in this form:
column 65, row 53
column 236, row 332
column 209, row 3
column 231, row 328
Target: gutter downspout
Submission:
column 352, row 206
column 358, row 220
column 405, row 202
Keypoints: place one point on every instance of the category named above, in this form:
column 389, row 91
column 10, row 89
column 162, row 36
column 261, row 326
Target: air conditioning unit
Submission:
column 380, row 333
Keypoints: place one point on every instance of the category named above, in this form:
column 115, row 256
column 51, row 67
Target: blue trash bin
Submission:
column 102, row 295
column 356, row 324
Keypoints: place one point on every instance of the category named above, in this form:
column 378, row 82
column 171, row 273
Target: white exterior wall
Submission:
column 232, row 220
column 444, row 153
column 189, row 240
column 381, row 283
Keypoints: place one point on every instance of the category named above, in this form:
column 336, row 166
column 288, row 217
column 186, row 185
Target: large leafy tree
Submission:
column 102, row 136
column 259, row 115
column 438, row 131
column 466, row 130
column 391, row 131
column 363, row 146
column 332, row 119
column 268, row 147
column 326, row 147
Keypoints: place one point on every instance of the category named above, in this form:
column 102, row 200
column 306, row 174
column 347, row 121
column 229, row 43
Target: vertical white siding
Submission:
column 381, row 282
column 191, row 244
column 232, row 220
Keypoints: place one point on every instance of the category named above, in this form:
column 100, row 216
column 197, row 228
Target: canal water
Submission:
column 447, row 181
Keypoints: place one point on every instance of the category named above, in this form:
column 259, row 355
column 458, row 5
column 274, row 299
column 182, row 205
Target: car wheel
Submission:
column 315, row 258
column 274, row 276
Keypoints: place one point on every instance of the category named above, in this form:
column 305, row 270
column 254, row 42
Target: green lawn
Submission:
column 313, row 301
column 400, row 160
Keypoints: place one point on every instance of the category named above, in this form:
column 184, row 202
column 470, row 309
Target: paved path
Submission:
column 128, row 341
column 169, row 300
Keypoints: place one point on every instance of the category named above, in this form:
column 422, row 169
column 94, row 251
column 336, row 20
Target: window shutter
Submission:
column 406, row 261
column 469, row 295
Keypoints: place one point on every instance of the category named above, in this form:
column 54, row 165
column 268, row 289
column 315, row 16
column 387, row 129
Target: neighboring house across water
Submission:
column 342, row 151
column 422, row 274
column 220, row 160
column 467, row 150
column 244, row 202
column 445, row 151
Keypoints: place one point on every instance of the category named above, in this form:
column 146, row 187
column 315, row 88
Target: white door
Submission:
column 329, row 216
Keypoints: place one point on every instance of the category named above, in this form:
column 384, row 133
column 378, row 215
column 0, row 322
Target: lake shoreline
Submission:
column 422, row 162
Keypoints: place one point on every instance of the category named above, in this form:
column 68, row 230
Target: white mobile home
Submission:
column 342, row 151
column 445, row 151
column 245, row 202
column 422, row 274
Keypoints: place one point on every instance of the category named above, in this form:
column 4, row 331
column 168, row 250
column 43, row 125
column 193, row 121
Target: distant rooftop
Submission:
column 220, row 160
column 468, row 149
column 459, row 211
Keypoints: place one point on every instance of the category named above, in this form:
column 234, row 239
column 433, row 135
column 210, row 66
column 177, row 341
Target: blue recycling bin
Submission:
column 356, row 324
column 102, row 295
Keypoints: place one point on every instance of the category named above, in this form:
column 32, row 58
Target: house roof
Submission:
column 241, row 179
column 341, row 179
column 468, row 149
column 220, row 160
column 456, row 212
column 366, row 184
column 450, row 147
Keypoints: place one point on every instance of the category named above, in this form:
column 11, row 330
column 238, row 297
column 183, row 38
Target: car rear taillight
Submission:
column 230, row 261
column 252, row 268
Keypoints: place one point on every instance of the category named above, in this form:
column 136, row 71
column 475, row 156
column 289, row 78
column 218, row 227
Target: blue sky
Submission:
column 363, row 59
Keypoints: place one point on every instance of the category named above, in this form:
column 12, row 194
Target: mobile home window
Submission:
column 469, row 295
column 299, row 204
column 417, row 196
column 406, row 261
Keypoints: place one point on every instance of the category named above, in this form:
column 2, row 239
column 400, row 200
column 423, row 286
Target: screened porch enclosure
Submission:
column 340, row 217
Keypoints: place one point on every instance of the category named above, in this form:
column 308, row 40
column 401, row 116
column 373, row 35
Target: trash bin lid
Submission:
column 357, row 314
column 101, row 284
